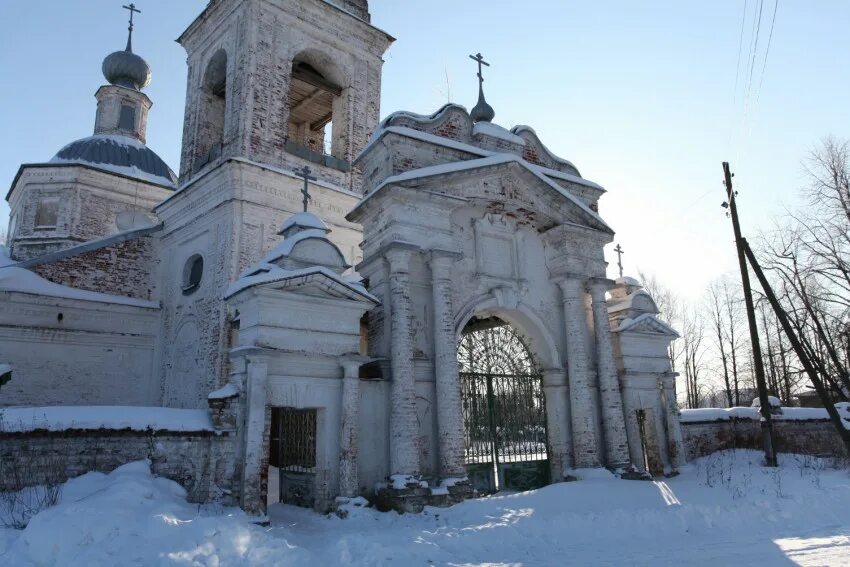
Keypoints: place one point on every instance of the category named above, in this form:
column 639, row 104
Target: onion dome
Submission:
column 482, row 112
column 118, row 154
column 126, row 69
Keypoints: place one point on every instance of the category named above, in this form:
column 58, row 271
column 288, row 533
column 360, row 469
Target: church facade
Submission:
column 412, row 310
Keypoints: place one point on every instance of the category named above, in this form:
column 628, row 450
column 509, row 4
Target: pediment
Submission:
column 647, row 324
column 503, row 184
column 318, row 282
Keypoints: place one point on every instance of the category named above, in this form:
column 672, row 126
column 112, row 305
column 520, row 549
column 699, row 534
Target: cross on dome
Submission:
column 132, row 9
column 304, row 173
column 619, row 250
column 481, row 112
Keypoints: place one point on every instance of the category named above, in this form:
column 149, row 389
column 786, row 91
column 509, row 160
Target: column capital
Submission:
column 553, row 377
column 599, row 286
column 351, row 364
column 398, row 254
column 572, row 285
column 441, row 255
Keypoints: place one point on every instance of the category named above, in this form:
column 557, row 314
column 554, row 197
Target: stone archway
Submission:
column 504, row 408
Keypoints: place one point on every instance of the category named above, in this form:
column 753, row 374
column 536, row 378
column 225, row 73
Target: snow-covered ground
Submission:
column 722, row 510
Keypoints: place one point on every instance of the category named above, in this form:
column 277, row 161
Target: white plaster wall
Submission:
column 97, row 354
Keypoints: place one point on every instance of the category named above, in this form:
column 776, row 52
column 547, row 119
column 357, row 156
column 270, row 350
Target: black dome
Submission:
column 126, row 69
column 119, row 154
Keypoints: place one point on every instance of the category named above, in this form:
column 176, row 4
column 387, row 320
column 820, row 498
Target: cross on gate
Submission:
column 619, row 250
column 480, row 59
column 304, row 173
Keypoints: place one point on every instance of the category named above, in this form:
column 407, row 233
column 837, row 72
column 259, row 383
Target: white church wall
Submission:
column 76, row 352
column 374, row 458
column 88, row 204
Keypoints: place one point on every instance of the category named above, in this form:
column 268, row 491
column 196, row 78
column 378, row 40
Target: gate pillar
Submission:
column 557, row 420
column 255, row 465
column 350, row 426
column 404, row 457
column 449, row 409
column 585, row 446
column 610, row 396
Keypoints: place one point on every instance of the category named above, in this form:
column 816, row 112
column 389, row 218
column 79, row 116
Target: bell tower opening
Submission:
column 278, row 83
column 315, row 105
column 214, row 103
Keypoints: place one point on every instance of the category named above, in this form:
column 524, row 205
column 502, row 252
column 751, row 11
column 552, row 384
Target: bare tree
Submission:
column 809, row 258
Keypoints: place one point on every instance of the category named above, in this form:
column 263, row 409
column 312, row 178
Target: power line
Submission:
column 740, row 47
column 767, row 50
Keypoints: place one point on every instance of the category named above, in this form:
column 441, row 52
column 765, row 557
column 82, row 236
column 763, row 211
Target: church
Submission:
column 414, row 310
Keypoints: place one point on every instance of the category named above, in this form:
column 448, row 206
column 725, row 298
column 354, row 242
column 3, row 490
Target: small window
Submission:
column 192, row 274
column 47, row 214
column 127, row 118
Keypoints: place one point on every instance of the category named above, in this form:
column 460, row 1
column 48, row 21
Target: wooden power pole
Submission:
column 758, row 363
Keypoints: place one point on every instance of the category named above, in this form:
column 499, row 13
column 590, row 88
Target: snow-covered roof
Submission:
column 468, row 148
column 305, row 220
column 270, row 273
column 21, row 280
column 5, row 369
column 496, row 131
column 646, row 321
column 788, row 414
column 628, row 302
column 523, row 128
column 285, row 247
column 626, row 280
column 227, row 391
column 118, row 154
column 62, row 418
column 492, row 160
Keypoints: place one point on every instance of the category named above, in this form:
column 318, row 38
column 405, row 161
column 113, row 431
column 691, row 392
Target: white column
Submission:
column 449, row 409
column 557, row 420
column 584, row 434
column 404, row 456
column 610, row 396
column 256, row 436
column 349, row 426
column 675, row 446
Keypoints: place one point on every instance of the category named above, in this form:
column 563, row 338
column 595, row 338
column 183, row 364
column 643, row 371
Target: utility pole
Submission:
column 758, row 363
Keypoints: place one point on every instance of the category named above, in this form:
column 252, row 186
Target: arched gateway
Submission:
column 504, row 409
column 467, row 227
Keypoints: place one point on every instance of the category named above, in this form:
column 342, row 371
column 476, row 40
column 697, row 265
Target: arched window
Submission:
column 212, row 110
column 315, row 102
column 193, row 273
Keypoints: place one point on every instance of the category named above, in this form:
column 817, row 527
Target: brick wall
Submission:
column 810, row 437
column 125, row 268
column 203, row 463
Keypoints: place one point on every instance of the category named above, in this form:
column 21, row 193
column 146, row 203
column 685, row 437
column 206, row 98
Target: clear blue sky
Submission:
column 639, row 95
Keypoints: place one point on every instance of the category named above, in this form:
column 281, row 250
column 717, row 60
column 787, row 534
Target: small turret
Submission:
column 122, row 109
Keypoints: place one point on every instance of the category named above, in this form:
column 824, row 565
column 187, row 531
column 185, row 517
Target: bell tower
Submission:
column 283, row 83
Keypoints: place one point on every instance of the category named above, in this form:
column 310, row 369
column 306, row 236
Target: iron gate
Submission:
column 503, row 408
column 295, row 444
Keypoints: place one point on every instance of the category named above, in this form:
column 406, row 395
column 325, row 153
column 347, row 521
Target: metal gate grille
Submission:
column 297, row 434
column 505, row 417
column 503, row 407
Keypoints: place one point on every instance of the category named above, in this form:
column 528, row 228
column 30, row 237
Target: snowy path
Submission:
column 723, row 510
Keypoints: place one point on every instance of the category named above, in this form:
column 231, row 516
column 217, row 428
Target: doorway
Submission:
column 292, row 455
